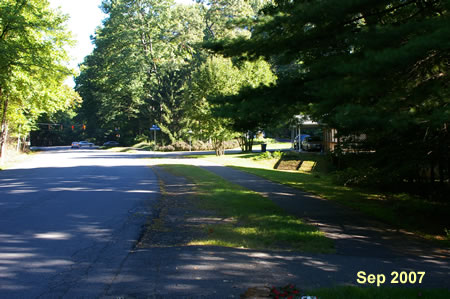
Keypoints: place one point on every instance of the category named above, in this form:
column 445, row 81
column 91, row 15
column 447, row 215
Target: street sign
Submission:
column 155, row 128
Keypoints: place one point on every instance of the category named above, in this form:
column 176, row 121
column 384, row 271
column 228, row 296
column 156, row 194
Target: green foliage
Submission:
column 135, row 77
column 32, row 64
column 268, row 155
column 215, row 77
column 148, row 68
column 378, row 68
column 219, row 14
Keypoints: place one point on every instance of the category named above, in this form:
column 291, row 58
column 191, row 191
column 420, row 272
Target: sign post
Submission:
column 190, row 139
column 155, row 128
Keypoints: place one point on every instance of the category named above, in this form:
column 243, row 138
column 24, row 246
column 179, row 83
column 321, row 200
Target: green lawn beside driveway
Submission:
column 250, row 220
column 426, row 218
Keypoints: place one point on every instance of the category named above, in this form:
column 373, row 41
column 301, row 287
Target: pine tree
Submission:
column 369, row 66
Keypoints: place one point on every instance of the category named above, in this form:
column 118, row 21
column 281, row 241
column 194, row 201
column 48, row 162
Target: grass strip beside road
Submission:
column 400, row 210
column 250, row 220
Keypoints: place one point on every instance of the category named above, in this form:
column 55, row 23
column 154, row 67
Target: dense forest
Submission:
column 372, row 68
column 149, row 68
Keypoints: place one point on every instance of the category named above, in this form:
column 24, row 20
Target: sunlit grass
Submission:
column 256, row 222
column 428, row 219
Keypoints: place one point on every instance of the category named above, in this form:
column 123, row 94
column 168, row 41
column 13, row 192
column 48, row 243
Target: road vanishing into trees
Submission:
column 68, row 220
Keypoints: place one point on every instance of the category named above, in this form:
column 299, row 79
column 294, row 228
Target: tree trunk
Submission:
column 432, row 166
column 440, row 160
column 219, row 147
column 241, row 143
column 3, row 128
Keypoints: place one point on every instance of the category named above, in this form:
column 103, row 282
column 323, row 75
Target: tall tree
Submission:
column 143, row 56
column 216, row 77
column 33, row 62
column 219, row 77
column 366, row 66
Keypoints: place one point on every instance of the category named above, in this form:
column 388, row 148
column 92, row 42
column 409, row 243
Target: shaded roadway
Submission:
column 68, row 221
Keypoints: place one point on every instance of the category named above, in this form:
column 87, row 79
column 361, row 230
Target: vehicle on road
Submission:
column 111, row 143
column 80, row 144
column 85, row 144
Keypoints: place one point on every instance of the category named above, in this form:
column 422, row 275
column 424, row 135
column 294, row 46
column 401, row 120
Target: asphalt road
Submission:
column 68, row 220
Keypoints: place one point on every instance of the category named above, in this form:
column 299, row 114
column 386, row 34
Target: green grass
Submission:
column 147, row 146
column 381, row 292
column 253, row 221
column 129, row 149
column 400, row 210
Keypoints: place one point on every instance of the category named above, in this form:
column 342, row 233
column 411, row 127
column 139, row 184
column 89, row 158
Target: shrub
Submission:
column 180, row 146
column 196, row 146
column 166, row 148
column 230, row 144
column 346, row 176
column 363, row 177
column 202, row 146
column 263, row 156
column 277, row 155
column 141, row 139
column 268, row 155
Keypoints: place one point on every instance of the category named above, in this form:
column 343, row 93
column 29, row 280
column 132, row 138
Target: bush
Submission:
column 230, row 144
column 268, row 155
column 180, row 146
column 257, row 141
column 165, row 148
column 277, row 155
column 362, row 177
column 140, row 139
column 346, row 176
column 196, row 146
column 202, row 146
column 263, row 156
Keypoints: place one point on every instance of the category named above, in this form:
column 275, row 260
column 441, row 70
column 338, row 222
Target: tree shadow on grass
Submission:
column 256, row 223
column 402, row 211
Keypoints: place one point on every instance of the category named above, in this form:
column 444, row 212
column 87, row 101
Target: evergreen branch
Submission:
column 383, row 12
